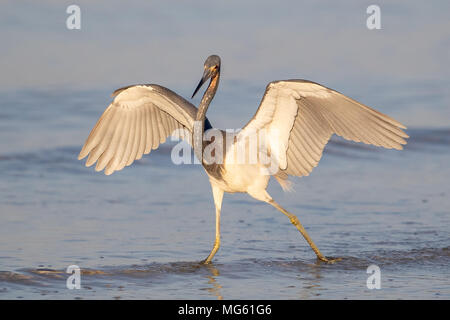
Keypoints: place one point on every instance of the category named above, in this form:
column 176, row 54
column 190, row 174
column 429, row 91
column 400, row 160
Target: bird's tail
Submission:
column 284, row 182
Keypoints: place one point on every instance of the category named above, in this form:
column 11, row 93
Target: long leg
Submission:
column 264, row 196
column 299, row 226
column 218, row 196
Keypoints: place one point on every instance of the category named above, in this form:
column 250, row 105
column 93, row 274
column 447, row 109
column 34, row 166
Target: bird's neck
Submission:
column 199, row 126
column 207, row 98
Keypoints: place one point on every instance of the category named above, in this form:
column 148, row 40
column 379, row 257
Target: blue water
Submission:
column 142, row 232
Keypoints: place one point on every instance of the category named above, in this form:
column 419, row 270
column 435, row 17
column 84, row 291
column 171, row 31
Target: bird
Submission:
column 298, row 118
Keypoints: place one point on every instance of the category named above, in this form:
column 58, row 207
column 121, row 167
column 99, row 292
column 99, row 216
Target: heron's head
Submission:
column 211, row 69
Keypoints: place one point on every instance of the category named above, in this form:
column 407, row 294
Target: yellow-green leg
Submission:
column 218, row 196
column 298, row 225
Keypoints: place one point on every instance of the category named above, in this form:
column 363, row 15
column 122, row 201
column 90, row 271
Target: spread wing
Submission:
column 300, row 117
column 139, row 119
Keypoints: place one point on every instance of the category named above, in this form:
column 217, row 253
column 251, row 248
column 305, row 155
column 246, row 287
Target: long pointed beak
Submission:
column 206, row 76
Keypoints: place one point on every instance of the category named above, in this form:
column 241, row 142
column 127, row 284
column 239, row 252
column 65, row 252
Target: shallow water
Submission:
column 142, row 232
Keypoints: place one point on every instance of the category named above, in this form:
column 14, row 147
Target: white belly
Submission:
column 242, row 178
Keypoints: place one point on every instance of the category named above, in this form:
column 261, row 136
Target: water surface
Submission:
column 142, row 232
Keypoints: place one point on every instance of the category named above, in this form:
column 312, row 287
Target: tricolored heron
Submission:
column 298, row 117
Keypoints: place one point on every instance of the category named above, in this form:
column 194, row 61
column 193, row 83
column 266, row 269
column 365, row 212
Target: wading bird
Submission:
column 299, row 117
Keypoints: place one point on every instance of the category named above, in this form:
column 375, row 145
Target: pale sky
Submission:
column 166, row 42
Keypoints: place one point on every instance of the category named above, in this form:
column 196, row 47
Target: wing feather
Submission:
column 155, row 129
column 306, row 130
column 129, row 141
column 143, row 135
column 303, row 149
column 320, row 113
column 104, row 137
column 149, row 130
column 114, row 163
column 110, row 149
column 300, row 157
column 165, row 124
column 136, row 139
column 97, row 132
column 160, row 123
column 139, row 119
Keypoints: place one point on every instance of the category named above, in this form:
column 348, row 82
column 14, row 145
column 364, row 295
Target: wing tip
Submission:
column 83, row 153
column 405, row 135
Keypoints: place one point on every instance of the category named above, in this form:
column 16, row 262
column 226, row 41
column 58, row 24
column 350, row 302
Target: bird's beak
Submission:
column 206, row 76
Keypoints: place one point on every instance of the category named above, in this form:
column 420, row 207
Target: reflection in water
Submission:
column 212, row 279
column 310, row 286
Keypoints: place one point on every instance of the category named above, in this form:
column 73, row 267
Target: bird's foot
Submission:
column 206, row 261
column 329, row 260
